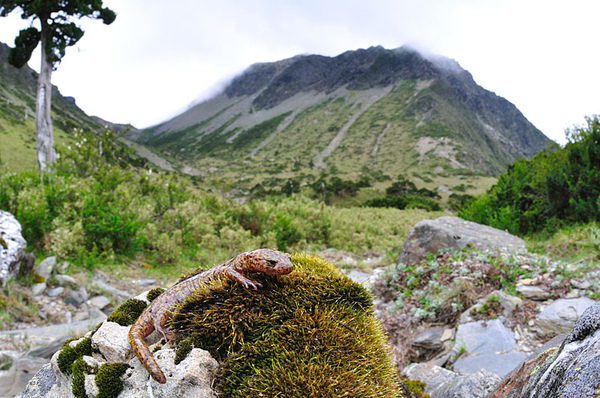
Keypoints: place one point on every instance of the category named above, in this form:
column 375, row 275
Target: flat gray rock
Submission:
column 429, row 236
column 560, row 316
column 500, row 364
column 485, row 337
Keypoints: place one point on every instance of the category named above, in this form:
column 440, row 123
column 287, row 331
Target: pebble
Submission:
column 99, row 301
column 146, row 282
column 57, row 291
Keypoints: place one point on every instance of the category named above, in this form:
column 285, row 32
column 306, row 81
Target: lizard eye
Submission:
column 272, row 263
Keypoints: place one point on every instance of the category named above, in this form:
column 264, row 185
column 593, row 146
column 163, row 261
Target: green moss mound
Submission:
column 308, row 334
column 109, row 380
column 154, row 293
column 128, row 312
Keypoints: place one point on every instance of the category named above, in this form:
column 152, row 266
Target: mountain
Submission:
column 377, row 110
column 17, row 115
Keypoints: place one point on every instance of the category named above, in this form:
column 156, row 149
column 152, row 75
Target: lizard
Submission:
column 160, row 310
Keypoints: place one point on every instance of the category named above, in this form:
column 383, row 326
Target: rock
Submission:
column 45, row 268
column 443, row 383
column 27, row 264
column 583, row 285
column 111, row 339
column 14, row 381
column 77, row 297
column 111, row 290
column 560, row 316
column 38, row 288
column 430, row 340
column 489, row 345
column 192, row 377
column 429, row 236
column 99, row 301
column 358, row 276
column 535, row 293
column 500, row 364
column 448, row 334
column 12, row 247
column 485, row 337
column 65, row 279
column 566, row 366
column 508, row 302
column 146, row 282
column 57, row 291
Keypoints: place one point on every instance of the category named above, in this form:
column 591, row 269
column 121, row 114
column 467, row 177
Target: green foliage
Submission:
column 404, row 202
column 551, row 189
column 308, row 334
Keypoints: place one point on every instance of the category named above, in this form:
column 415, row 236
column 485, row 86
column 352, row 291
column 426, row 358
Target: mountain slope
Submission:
column 390, row 111
column 17, row 115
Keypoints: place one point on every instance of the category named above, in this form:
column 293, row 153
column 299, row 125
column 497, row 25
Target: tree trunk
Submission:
column 43, row 119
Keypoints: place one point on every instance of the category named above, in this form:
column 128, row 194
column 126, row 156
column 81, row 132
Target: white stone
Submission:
column 12, row 247
column 112, row 341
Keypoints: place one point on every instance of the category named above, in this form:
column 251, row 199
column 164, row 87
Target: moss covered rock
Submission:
column 308, row 334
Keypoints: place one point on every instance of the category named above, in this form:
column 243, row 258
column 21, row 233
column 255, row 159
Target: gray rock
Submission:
column 111, row 290
column 429, row 236
column 358, row 276
column 443, row 383
column 12, row 247
column 65, row 279
column 190, row 378
column 500, row 364
column 99, row 301
column 146, row 282
column 533, row 293
column 567, row 366
column 14, row 381
column 485, row 337
column 57, row 291
column 508, row 302
column 38, row 288
column 430, row 339
column 561, row 315
column 46, row 267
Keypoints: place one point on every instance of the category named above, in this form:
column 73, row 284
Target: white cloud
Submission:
column 156, row 58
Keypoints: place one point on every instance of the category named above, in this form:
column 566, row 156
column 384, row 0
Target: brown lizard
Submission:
column 160, row 311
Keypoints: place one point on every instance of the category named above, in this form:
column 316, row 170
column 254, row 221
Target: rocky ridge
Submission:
column 333, row 108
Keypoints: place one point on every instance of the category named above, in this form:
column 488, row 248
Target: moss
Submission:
column 183, row 349
column 109, row 380
column 154, row 293
column 308, row 334
column 416, row 388
column 80, row 368
column 128, row 312
column 69, row 354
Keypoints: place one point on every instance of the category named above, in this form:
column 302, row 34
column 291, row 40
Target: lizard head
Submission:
column 266, row 261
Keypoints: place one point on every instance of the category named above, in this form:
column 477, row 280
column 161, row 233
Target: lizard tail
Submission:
column 136, row 339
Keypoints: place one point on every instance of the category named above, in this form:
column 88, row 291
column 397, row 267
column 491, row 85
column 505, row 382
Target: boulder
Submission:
column 191, row 377
column 561, row 315
column 489, row 345
column 443, row 383
column 12, row 247
column 429, row 236
column 567, row 366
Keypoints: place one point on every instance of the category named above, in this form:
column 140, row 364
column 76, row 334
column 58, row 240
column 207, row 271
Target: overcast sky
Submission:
column 158, row 57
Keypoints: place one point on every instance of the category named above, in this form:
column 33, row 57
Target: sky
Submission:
column 159, row 57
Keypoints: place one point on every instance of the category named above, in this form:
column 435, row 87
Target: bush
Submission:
column 552, row 188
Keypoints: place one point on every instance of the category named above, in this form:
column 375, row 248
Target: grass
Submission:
column 576, row 243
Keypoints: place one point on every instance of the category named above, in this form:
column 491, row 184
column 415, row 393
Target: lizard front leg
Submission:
column 239, row 278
